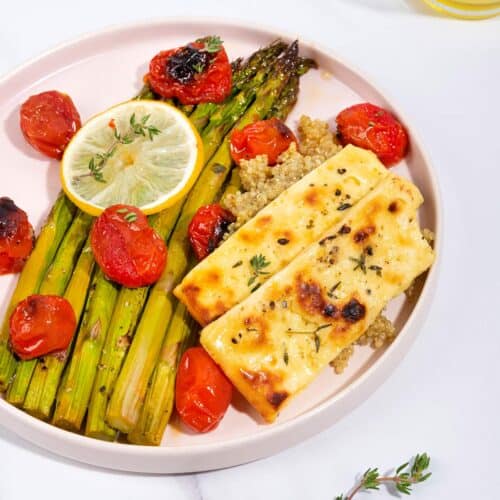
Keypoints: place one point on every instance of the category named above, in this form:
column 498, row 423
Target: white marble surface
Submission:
column 443, row 398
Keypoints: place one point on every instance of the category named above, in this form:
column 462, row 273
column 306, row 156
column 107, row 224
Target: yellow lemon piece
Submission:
column 142, row 153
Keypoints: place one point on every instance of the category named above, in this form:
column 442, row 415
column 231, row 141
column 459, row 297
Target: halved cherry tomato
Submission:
column 207, row 229
column 202, row 391
column 127, row 249
column 16, row 237
column 41, row 324
column 197, row 72
column 370, row 127
column 48, row 121
column 270, row 137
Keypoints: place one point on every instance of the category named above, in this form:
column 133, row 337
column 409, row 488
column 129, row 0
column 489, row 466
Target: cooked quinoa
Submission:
column 342, row 360
column 381, row 332
column 428, row 235
column 261, row 183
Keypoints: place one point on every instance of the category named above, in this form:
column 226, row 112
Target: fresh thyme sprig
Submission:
column 129, row 216
column 331, row 292
column 198, row 67
column 405, row 477
column 314, row 333
column 257, row 262
column 211, row 43
column 136, row 129
column 360, row 262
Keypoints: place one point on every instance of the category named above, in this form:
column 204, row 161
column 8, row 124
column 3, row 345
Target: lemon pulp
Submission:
column 142, row 153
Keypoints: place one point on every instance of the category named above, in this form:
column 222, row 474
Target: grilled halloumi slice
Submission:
column 279, row 232
column 274, row 343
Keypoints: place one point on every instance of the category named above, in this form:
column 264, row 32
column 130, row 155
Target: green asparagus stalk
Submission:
column 232, row 187
column 290, row 94
column 126, row 400
column 187, row 109
column 159, row 402
column 45, row 381
column 32, row 275
column 160, row 397
column 242, row 75
column 236, row 65
column 261, row 57
column 54, row 283
column 145, row 93
column 305, row 64
column 129, row 305
column 74, row 395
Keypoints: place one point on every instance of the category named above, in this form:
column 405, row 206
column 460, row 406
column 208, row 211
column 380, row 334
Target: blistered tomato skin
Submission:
column 16, row 237
column 48, row 121
column 371, row 127
column 41, row 324
column 190, row 75
column 128, row 250
column 270, row 137
column 207, row 229
column 202, row 391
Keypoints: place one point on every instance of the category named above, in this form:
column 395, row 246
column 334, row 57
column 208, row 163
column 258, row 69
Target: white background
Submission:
column 444, row 397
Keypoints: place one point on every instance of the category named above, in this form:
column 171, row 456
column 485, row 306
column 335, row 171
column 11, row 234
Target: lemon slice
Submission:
column 142, row 153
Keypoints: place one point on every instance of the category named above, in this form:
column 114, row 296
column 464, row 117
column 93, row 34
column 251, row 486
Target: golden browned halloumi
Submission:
column 274, row 343
column 279, row 232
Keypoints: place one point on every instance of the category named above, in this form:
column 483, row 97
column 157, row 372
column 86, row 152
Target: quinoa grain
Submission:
column 381, row 332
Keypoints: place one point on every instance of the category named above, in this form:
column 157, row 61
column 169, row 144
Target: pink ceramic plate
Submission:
column 102, row 69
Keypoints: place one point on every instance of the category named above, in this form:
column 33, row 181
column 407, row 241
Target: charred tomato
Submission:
column 202, row 391
column 371, row 127
column 270, row 137
column 197, row 72
column 127, row 249
column 48, row 121
column 207, row 229
column 16, row 237
column 41, row 324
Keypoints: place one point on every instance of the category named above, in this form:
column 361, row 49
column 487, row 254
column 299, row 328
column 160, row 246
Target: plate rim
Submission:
column 201, row 457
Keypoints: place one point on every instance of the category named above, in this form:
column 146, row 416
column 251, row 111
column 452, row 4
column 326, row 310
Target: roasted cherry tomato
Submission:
column 202, row 391
column 16, row 237
column 207, row 228
column 270, row 137
column 370, row 127
column 127, row 249
column 197, row 72
column 41, row 324
column 49, row 120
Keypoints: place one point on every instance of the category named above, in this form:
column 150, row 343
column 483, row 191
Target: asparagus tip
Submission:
column 236, row 64
column 289, row 59
column 278, row 44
